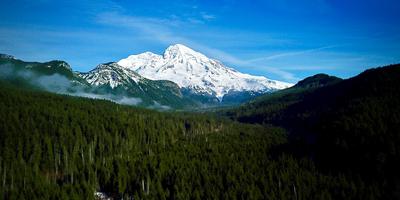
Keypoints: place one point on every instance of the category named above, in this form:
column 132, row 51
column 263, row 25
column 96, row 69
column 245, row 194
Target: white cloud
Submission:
column 128, row 100
column 162, row 31
column 158, row 106
column 287, row 76
column 62, row 85
column 295, row 53
column 207, row 16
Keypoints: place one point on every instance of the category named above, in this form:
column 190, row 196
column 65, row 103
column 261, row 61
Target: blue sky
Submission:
column 281, row 39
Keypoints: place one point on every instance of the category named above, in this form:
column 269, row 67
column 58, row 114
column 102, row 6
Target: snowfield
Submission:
column 193, row 70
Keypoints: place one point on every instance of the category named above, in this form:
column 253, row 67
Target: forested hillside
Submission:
column 60, row 147
column 350, row 126
column 266, row 109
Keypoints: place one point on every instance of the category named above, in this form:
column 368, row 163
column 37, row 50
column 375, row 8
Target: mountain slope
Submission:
column 117, row 80
column 350, row 126
column 36, row 74
column 111, row 74
column 107, row 81
column 269, row 106
column 196, row 73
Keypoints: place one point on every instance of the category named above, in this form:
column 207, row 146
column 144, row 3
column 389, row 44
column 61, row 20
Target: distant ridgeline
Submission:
column 180, row 79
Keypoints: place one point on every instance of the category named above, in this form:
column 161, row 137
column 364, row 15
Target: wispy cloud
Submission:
column 207, row 16
column 285, row 75
column 158, row 106
column 294, row 53
column 162, row 30
column 153, row 28
column 62, row 85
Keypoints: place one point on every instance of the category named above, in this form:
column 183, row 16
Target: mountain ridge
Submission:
column 179, row 78
column 107, row 81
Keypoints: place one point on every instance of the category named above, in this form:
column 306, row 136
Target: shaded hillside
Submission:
column 351, row 126
column 318, row 80
column 269, row 107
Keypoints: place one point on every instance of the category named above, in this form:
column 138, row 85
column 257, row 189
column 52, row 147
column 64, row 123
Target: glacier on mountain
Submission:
column 193, row 70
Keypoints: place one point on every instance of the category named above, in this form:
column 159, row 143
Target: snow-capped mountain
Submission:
column 111, row 74
column 193, row 70
column 179, row 79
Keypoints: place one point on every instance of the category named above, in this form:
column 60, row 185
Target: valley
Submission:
column 280, row 145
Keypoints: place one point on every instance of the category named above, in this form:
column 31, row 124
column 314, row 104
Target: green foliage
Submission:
column 350, row 126
column 266, row 109
column 60, row 147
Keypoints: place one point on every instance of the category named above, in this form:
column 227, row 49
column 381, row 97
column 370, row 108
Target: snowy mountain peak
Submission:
column 147, row 59
column 194, row 71
column 181, row 53
column 111, row 74
column 179, row 48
